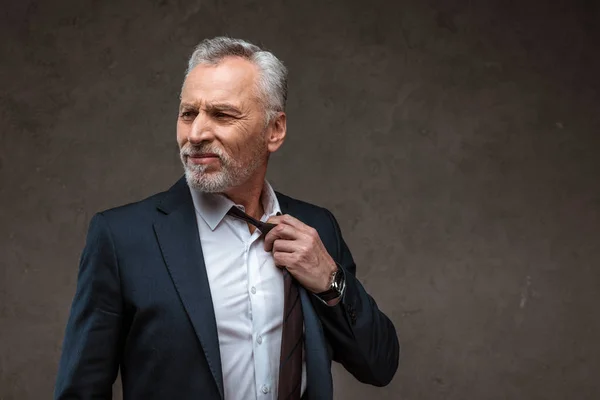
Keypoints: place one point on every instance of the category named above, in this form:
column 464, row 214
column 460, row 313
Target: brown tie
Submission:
column 290, row 362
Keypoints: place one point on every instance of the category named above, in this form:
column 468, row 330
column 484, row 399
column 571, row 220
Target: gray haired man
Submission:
column 222, row 287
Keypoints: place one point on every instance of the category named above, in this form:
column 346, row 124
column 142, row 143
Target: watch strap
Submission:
column 329, row 295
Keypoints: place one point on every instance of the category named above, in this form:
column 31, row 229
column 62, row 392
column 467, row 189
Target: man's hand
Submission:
column 298, row 247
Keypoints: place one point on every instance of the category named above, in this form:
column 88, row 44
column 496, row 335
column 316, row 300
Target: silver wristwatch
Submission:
column 336, row 288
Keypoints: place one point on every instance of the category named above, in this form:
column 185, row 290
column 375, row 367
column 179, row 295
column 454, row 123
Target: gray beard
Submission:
column 231, row 174
column 213, row 182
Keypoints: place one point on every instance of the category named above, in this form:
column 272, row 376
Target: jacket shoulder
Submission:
column 297, row 205
column 311, row 214
column 134, row 210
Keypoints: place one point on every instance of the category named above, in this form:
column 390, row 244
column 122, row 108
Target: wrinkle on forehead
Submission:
column 233, row 80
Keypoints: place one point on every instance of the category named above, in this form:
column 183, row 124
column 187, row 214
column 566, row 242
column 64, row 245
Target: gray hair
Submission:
column 272, row 83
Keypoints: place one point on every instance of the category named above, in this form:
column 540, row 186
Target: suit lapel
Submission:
column 177, row 234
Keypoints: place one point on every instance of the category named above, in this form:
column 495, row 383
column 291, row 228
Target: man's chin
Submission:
column 208, row 182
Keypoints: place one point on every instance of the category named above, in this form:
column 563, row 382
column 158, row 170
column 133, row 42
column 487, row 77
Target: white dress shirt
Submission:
column 247, row 294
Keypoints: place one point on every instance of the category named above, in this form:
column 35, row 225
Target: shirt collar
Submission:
column 213, row 207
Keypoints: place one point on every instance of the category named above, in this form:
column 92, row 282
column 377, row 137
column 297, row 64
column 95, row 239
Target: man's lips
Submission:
column 203, row 158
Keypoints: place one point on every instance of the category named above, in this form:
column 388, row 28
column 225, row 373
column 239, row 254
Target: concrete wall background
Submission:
column 457, row 143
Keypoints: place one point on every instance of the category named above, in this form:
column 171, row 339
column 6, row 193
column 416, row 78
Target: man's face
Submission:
column 221, row 125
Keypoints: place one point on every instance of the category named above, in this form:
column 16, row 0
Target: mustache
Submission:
column 195, row 151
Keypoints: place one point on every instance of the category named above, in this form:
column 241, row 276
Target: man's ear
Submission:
column 276, row 132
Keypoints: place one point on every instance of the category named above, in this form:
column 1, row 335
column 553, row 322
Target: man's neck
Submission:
column 249, row 196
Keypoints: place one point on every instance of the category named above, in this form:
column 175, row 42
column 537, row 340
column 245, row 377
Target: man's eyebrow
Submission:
column 223, row 107
column 226, row 107
column 186, row 105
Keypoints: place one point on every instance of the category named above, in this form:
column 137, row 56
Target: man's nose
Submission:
column 202, row 130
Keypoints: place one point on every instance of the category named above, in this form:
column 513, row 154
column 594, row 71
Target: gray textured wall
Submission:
column 457, row 142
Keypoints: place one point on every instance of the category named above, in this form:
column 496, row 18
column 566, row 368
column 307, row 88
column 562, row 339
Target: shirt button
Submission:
column 259, row 340
column 265, row 389
column 253, row 290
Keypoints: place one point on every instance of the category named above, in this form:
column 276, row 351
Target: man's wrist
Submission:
column 336, row 287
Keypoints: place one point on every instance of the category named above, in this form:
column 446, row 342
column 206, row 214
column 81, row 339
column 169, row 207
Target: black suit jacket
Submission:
column 143, row 303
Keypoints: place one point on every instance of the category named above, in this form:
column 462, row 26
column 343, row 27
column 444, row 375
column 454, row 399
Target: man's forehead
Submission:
column 233, row 77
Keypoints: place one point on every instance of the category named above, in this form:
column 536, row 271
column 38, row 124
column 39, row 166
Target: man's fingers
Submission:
column 281, row 231
column 287, row 219
column 283, row 259
column 284, row 246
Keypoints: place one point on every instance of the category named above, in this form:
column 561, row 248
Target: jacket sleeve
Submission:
column 362, row 337
column 90, row 354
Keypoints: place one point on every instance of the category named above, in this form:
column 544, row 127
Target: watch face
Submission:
column 337, row 282
column 336, row 288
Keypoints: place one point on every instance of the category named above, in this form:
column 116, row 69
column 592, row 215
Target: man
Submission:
column 189, row 299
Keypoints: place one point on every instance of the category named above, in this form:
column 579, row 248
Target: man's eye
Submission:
column 187, row 115
column 221, row 115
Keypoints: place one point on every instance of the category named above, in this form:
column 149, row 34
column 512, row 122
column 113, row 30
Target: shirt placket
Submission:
column 258, row 315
